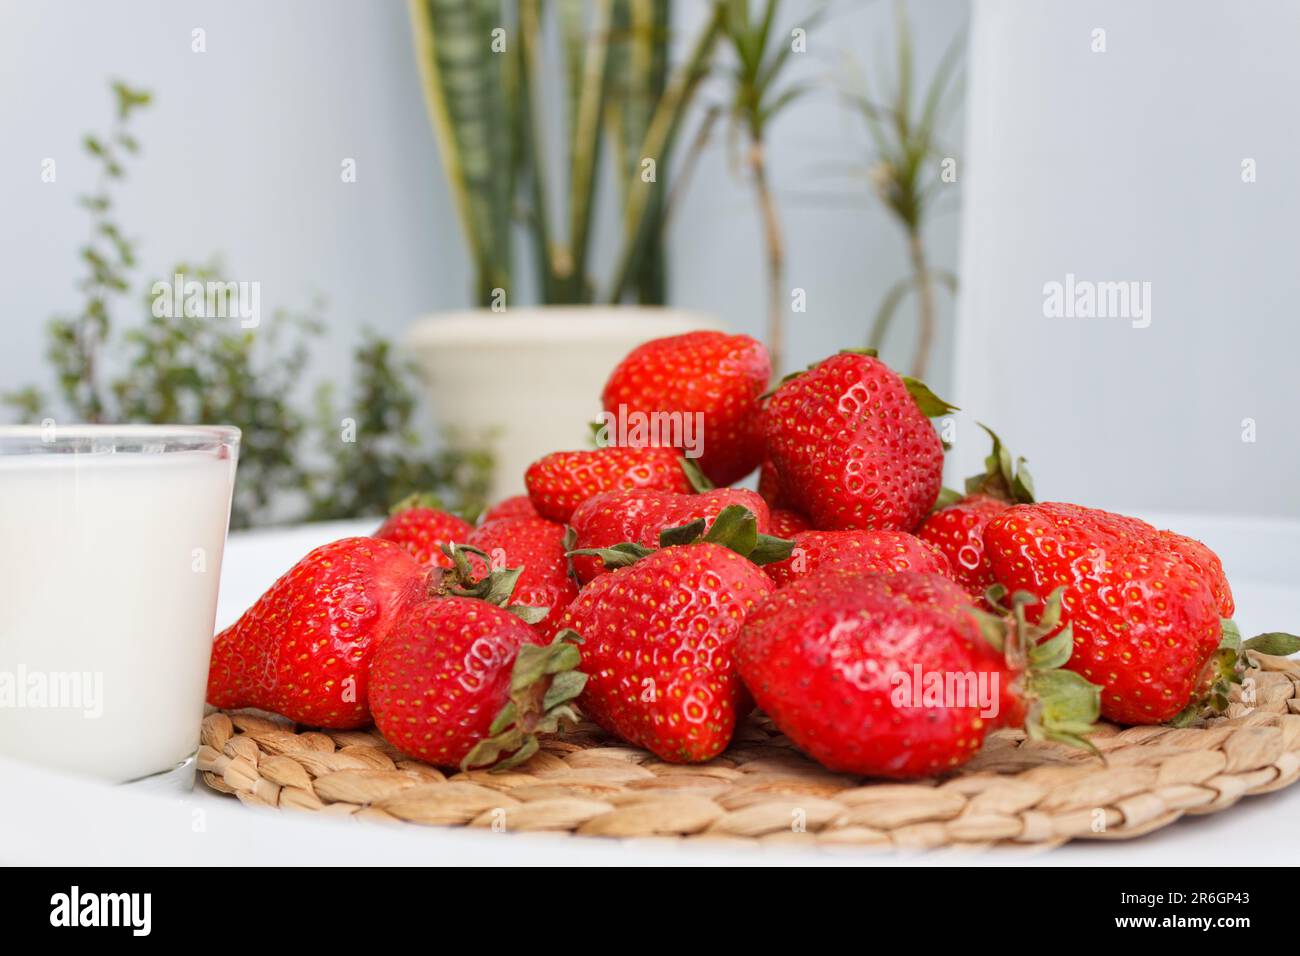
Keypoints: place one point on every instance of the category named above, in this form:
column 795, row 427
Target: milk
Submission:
column 109, row 563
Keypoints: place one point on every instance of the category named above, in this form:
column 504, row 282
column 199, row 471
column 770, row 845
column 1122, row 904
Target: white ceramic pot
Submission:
column 526, row 382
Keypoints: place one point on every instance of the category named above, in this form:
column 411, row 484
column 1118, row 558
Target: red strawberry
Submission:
column 561, row 481
column 853, row 445
column 958, row 529
column 658, row 640
column 897, row 675
column 520, row 506
column 875, row 551
column 1207, row 562
column 540, row 548
column 303, row 650
column 769, row 486
column 461, row 682
column 717, row 376
column 787, row 524
column 1146, row 619
column 641, row 516
column 422, row 528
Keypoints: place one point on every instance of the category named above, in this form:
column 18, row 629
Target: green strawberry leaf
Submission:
column 1063, row 705
column 736, row 528
column 528, row 613
column 1228, row 665
column 529, row 747
column 543, row 680
column 496, row 587
column 682, row 534
column 769, row 549
column 1231, row 634
column 1054, row 652
column 992, row 627
column 619, row 556
column 698, row 479
column 564, row 687
column 504, row 718
column 501, row 585
column 930, row 404
column 1188, row 715
column 1274, row 643
column 947, row 497
column 1002, row 477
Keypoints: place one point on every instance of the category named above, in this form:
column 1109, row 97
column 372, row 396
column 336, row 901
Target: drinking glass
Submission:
column 110, row 555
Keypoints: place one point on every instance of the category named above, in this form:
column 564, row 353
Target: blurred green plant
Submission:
column 108, row 255
column 194, row 369
column 481, row 68
column 373, row 451
column 185, row 369
column 906, row 174
column 760, row 54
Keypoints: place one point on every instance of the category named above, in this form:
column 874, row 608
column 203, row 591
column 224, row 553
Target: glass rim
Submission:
column 55, row 435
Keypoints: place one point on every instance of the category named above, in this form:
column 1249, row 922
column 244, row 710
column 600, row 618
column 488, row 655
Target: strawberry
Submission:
column 540, row 548
column 658, row 633
column 714, row 377
column 769, row 486
column 1145, row 615
column 787, row 524
column 303, row 649
column 422, row 528
column 641, row 516
column 958, row 529
column 463, row 683
column 897, row 675
column 1207, row 562
column 853, row 445
column 877, row 551
column 561, row 481
column 519, row 506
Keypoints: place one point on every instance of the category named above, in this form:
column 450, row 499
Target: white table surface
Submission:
column 46, row 818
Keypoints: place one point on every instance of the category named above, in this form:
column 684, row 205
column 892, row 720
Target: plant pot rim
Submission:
column 561, row 322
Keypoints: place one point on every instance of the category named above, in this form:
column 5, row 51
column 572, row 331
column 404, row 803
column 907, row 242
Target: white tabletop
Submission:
column 46, row 818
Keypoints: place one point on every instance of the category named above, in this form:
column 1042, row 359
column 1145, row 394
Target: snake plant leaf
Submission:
column 584, row 148
column 532, row 150
column 463, row 87
column 638, row 225
column 639, row 74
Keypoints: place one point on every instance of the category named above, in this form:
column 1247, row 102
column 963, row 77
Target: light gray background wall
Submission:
column 1112, row 166
column 242, row 153
column 1127, row 165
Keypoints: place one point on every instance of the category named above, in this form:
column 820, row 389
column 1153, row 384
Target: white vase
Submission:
column 526, row 382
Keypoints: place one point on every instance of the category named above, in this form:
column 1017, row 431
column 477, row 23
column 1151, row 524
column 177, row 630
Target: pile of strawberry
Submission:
column 885, row 624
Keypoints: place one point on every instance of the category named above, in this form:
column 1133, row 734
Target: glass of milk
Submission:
column 110, row 553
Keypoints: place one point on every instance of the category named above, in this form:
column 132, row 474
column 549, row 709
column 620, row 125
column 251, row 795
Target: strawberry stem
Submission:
column 543, row 682
column 1227, row 666
column 696, row 476
column 734, row 528
column 496, row 587
column 1002, row 478
column 1061, row 705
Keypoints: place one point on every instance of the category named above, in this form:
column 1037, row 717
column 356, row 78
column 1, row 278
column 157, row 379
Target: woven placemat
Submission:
column 1015, row 791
